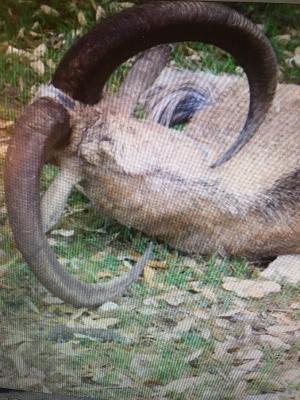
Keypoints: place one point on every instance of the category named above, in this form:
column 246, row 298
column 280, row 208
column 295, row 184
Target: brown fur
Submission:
column 159, row 181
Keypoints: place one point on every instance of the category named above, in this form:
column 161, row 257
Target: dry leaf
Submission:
column 19, row 363
column 51, row 64
column 34, row 34
column 100, row 13
column 81, row 18
column 101, row 323
column 250, row 288
column 291, row 376
column 294, row 60
column 201, row 313
column 280, row 330
column 194, row 286
column 66, row 349
column 49, row 10
column 274, row 342
column 183, row 384
column 104, row 274
column 158, row 264
column 194, row 356
column 27, row 382
column 20, row 53
column 295, row 306
column 190, row 263
column 14, row 338
column 63, row 232
column 35, row 25
column 249, row 354
column 108, row 306
column 184, row 325
column 3, row 150
column 174, row 297
column 52, row 242
column 284, row 268
column 40, row 50
column 119, row 6
column 38, row 67
column 209, row 294
column 49, row 300
column 283, row 38
column 5, row 124
column 149, row 276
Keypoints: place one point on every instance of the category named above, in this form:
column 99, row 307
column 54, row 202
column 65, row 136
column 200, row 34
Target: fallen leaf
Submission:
column 102, row 323
column 209, row 294
column 194, row 356
column 49, row 300
column 27, row 382
column 295, row 306
column 66, row 349
column 294, row 60
column 4, row 124
column 174, row 297
column 190, row 263
column 98, row 375
column 35, row 25
column 100, row 13
column 248, row 354
column 184, row 384
column 149, row 276
column 104, row 274
column 51, row 64
column 283, row 38
column 20, row 53
column 108, row 306
column 250, row 288
column 19, row 363
column 3, row 150
column 243, row 369
column 278, row 330
column 40, row 50
column 158, row 264
column 297, row 50
column 20, row 34
column 284, row 268
column 291, row 376
column 81, row 18
column 63, row 232
column 38, row 67
column 274, row 342
column 151, row 301
column 15, row 338
column 49, row 10
column 185, row 325
column 201, row 313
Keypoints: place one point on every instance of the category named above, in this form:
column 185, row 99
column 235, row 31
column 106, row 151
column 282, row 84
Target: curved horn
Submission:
column 88, row 64
column 82, row 74
column 44, row 125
